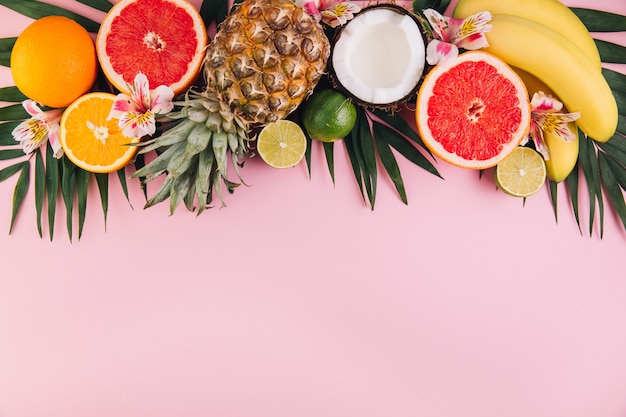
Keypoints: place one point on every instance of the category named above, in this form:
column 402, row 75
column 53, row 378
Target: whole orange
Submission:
column 54, row 61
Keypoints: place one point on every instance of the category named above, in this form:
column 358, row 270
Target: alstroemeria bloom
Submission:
column 41, row 127
column 332, row 12
column 452, row 34
column 136, row 113
column 547, row 117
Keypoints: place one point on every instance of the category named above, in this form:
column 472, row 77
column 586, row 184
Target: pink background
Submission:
column 296, row 300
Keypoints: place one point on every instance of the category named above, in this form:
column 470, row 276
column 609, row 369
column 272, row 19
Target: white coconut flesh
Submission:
column 380, row 56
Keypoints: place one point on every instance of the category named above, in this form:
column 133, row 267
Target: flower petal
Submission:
column 466, row 31
column 123, row 104
column 31, row 133
column 438, row 23
column 137, row 125
column 544, row 102
column 473, row 42
column 311, row 7
column 54, row 142
column 161, row 99
column 31, row 107
column 141, row 92
column 339, row 13
column 438, row 52
column 556, row 123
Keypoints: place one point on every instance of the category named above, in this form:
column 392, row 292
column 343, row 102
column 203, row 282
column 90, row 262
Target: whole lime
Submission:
column 328, row 116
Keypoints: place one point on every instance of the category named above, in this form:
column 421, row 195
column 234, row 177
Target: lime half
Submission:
column 522, row 173
column 281, row 144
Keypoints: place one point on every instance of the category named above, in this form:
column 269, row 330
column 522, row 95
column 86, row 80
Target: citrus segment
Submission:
column 522, row 173
column 281, row 144
column 473, row 112
column 164, row 39
column 53, row 61
column 92, row 141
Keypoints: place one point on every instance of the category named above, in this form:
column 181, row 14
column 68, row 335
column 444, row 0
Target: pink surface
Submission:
column 296, row 300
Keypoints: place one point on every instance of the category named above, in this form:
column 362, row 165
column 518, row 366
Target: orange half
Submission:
column 92, row 142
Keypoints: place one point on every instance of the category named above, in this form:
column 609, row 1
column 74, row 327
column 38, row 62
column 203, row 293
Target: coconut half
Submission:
column 379, row 56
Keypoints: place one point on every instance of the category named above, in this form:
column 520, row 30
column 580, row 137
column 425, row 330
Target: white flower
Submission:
column 42, row 127
column 136, row 112
column 547, row 117
column 452, row 34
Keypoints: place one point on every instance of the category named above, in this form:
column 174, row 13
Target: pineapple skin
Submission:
column 266, row 58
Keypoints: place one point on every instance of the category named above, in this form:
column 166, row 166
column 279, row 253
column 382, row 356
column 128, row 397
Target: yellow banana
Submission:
column 562, row 66
column 550, row 13
column 563, row 155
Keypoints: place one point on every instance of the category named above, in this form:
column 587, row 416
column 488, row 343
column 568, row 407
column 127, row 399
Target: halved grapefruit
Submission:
column 164, row 39
column 474, row 111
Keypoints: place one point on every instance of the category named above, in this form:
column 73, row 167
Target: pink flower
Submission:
column 547, row 117
column 452, row 34
column 136, row 113
column 41, row 127
column 332, row 12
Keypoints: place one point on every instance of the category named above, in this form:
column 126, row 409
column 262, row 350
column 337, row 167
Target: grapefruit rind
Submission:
column 117, row 79
column 505, row 146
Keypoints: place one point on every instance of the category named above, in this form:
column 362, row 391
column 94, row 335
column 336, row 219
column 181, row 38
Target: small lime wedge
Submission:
column 281, row 144
column 522, row 173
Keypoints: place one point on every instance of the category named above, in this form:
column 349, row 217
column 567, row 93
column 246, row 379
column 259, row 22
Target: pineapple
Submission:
column 266, row 58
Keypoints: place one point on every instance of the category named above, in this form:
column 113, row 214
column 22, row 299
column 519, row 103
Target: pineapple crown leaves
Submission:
column 195, row 151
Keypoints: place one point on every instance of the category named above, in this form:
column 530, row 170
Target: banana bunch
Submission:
column 546, row 39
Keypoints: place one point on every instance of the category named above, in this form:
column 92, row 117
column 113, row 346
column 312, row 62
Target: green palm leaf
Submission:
column 52, row 187
column 40, row 189
column 10, row 154
column 103, row 188
column 388, row 159
column 13, row 112
column 11, row 95
column 37, row 9
column 6, row 45
column 68, row 189
column 609, row 171
column 439, row 5
column 19, row 192
column 572, row 187
column 589, row 163
column 214, row 11
column 6, row 139
column 330, row 158
column 102, row 5
column 611, row 52
column 82, row 185
column 600, row 21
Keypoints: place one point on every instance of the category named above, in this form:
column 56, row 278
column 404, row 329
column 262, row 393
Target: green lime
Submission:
column 281, row 144
column 522, row 173
column 328, row 116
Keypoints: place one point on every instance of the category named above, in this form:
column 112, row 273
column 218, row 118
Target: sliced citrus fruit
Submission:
column 281, row 144
column 90, row 140
column 164, row 39
column 473, row 112
column 522, row 173
column 54, row 61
